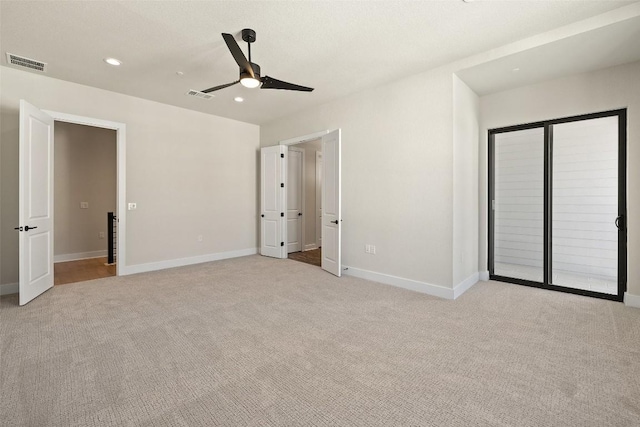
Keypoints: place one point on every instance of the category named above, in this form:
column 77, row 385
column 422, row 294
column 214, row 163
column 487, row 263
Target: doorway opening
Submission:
column 557, row 208
column 85, row 183
column 277, row 216
column 304, row 202
column 36, row 195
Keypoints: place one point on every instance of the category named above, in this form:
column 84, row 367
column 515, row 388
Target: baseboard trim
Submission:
column 78, row 256
column 310, row 247
column 9, row 288
column 484, row 276
column 464, row 286
column 631, row 300
column 180, row 262
column 400, row 282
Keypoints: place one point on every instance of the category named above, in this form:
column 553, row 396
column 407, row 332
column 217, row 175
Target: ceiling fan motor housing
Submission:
column 256, row 72
column 248, row 35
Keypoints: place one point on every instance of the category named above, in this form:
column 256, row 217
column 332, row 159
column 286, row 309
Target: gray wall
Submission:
column 466, row 108
column 191, row 174
column 85, row 171
column 397, row 174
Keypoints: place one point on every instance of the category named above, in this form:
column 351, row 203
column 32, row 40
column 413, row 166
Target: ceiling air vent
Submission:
column 31, row 64
column 199, row 94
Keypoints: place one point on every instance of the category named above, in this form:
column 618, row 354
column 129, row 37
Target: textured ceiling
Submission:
column 338, row 47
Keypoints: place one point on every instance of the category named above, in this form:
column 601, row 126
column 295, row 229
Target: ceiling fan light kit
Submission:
column 250, row 71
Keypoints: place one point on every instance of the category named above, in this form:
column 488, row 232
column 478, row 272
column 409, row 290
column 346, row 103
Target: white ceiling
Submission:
column 603, row 47
column 338, row 47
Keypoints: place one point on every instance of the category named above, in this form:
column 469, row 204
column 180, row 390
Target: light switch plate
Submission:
column 84, row 205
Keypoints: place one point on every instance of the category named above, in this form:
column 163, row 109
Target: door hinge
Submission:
column 282, row 184
column 281, row 213
column 493, row 205
column 281, row 243
column 282, row 155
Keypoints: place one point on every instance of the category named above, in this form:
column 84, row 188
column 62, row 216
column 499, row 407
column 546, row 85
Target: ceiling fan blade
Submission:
column 237, row 53
column 213, row 89
column 271, row 83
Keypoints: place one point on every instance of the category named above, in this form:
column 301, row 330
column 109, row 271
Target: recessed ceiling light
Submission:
column 180, row 73
column 238, row 99
column 112, row 61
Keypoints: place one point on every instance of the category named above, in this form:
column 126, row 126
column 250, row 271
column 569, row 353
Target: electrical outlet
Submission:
column 101, row 235
column 132, row 206
column 84, row 205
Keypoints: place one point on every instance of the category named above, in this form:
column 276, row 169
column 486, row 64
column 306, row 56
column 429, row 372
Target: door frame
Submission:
column 293, row 141
column 547, row 125
column 121, row 154
column 302, row 195
column 318, row 212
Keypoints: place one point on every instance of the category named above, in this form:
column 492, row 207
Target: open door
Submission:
column 35, row 202
column 273, row 161
column 331, row 204
column 294, row 186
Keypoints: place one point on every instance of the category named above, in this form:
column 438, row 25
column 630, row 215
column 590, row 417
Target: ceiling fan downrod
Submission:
column 249, row 36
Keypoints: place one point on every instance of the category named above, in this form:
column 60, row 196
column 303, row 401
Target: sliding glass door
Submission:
column 518, row 205
column 557, row 197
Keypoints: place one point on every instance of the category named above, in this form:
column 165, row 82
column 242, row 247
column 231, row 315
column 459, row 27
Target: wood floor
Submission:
column 313, row 257
column 79, row 271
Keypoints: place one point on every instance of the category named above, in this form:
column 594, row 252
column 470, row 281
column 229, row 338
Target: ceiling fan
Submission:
column 250, row 71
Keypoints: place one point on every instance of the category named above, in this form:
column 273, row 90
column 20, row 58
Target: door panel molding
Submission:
column 295, row 184
column 35, row 204
column 331, row 204
column 273, row 161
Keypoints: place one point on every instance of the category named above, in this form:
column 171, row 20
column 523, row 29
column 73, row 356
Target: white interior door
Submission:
column 319, row 199
column 272, row 198
column 35, row 202
column 295, row 162
column 331, row 204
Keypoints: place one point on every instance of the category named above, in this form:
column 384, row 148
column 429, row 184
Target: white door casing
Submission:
column 294, row 186
column 272, row 199
column 331, row 204
column 35, row 211
column 318, row 199
column 121, row 143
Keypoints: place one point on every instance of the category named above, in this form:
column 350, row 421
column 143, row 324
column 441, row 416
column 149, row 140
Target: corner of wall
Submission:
column 465, row 132
column 631, row 300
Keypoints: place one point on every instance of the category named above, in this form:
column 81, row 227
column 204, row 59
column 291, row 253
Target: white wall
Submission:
column 397, row 177
column 85, row 171
column 602, row 90
column 190, row 173
column 466, row 110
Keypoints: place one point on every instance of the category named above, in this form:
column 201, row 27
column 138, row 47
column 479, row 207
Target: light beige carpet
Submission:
column 259, row 342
